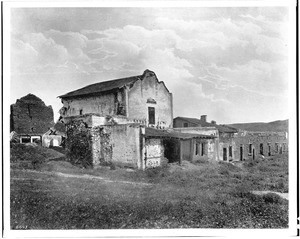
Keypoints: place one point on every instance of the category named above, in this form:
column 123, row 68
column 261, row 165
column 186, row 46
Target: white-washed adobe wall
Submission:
column 150, row 88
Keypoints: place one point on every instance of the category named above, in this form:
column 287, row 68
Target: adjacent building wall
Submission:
column 210, row 146
column 180, row 123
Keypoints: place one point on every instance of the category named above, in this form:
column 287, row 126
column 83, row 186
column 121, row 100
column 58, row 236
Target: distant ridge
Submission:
column 275, row 126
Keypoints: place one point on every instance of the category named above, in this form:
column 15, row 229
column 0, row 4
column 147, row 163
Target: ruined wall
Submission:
column 30, row 115
column 148, row 92
column 261, row 142
column 105, row 104
column 117, row 144
column 204, row 149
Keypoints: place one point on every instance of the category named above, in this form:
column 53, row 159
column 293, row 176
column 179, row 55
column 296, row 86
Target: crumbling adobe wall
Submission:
column 117, row 144
column 30, row 115
column 226, row 140
column 243, row 139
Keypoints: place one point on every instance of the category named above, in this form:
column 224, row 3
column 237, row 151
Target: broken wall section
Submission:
column 29, row 115
column 118, row 144
column 250, row 145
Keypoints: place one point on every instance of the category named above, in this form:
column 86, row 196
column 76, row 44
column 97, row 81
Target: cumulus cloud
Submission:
column 48, row 50
column 206, row 61
column 24, row 51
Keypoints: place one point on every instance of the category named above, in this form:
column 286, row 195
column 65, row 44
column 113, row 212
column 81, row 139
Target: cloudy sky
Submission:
column 228, row 63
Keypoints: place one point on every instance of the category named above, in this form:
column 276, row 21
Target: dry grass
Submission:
column 200, row 195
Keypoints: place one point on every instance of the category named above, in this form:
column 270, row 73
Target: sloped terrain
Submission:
column 31, row 155
column 59, row 195
column 275, row 126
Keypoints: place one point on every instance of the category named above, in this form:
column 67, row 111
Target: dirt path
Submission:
column 84, row 176
column 283, row 195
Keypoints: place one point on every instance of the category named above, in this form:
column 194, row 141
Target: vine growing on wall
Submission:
column 79, row 144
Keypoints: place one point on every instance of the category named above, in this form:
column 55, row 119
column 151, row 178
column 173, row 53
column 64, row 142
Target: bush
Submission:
column 271, row 198
column 79, row 145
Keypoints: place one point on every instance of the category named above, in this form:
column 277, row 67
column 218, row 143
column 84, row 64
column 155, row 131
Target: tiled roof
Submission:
column 159, row 133
column 102, row 87
column 198, row 122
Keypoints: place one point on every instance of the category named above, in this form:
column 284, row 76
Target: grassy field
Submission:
column 57, row 195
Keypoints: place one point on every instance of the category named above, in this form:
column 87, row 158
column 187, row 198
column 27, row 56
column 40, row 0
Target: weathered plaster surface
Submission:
column 150, row 90
column 103, row 105
column 117, row 143
column 154, row 152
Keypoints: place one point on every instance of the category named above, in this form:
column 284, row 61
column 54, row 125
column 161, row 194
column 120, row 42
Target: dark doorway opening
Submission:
column 172, row 150
column 241, row 153
column 269, row 150
column 253, row 154
column 261, row 149
column 224, row 154
column 280, row 150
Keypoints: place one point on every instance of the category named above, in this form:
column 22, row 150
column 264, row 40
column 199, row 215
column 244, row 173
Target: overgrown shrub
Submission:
column 79, row 145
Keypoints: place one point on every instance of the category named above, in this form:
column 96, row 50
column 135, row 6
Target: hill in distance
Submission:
column 274, row 126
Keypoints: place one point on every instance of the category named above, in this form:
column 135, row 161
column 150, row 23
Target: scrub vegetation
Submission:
column 59, row 195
